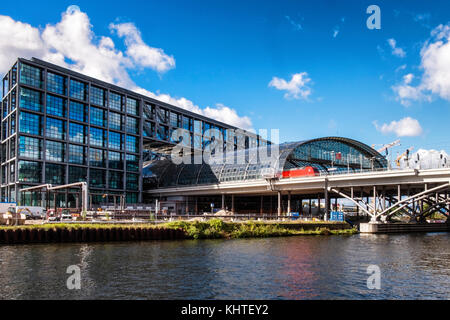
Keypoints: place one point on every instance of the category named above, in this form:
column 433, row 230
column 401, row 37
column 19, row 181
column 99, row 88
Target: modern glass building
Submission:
column 60, row 127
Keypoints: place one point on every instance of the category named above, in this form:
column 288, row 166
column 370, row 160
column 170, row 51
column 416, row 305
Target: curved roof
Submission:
column 326, row 154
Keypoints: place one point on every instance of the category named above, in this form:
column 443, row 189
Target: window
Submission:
column 30, row 123
column 77, row 174
column 115, row 101
column 162, row 133
column 30, row 147
column 115, row 140
column 148, row 129
column 97, row 137
column 55, row 151
column 77, row 154
column 30, row 171
column 132, row 181
column 56, row 106
column 131, row 197
column 56, row 83
column 78, row 90
column 115, row 160
column 77, row 133
column 149, row 111
column 132, row 144
column 30, row 99
column 173, row 119
column 55, row 173
column 31, row 76
column 98, row 96
column 55, row 129
column 115, row 180
column 97, row 158
column 132, row 106
column 132, row 125
column 132, row 163
column 97, row 117
column 187, row 123
column 115, row 121
column 77, row 111
column 97, row 178
column 161, row 115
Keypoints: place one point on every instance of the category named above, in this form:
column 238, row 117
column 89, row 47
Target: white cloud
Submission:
column 296, row 88
column 406, row 127
column 426, row 159
column 71, row 43
column 295, row 25
column 396, row 51
column 435, row 63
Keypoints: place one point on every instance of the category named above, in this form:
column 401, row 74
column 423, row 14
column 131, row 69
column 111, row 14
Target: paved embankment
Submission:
column 403, row 227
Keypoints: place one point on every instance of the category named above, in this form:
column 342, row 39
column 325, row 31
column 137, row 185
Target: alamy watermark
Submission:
column 74, row 280
column 374, row 279
column 374, row 20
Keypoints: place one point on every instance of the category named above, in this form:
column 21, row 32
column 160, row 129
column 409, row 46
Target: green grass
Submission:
column 212, row 229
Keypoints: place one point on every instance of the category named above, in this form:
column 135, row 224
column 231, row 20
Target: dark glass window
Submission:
column 77, row 154
column 132, row 163
column 77, row 133
column 132, row 144
column 30, row 171
column 132, row 106
column 78, row 90
column 56, row 83
column 78, row 111
column 174, row 119
column 148, row 111
column 30, row 99
column 162, row 133
column 115, row 180
column 115, row 101
column 148, row 129
column 97, row 117
column 56, row 106
column 132, row 125
column 30, row 123
column 55, row 173
column 97, row 137
column 77, row 174
column 98, row 96
column 31, row 76
column 55, row 129
column 115, row 140
column 97, row 178
column 97, row 158
column 131, row 197
column 30, row 147
column 115, row 160
column 187, row 123
column 132, row 181
column 115, row 121
column 55, row 151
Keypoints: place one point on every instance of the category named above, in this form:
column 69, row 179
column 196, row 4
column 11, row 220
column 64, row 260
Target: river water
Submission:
column 412, row 266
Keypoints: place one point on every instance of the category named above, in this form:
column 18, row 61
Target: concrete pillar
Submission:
column 223, row 201
column 232, row 203
column 309, row 208
column 327, row 202
column 261, row 210
column 375, row 199
column 279, row 203
column 289, row 202
column 196, row 205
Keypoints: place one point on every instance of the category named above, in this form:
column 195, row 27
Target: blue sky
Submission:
column 227, row 53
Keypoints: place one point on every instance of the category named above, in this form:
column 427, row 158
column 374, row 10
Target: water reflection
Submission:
column 310, row 267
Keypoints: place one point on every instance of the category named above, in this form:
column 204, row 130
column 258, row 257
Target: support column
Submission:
column 309, row 208
column 261, row 210
column 289, row 202
column 279, row 203
column 327, row 202
column 223, row 201
column 232, row 203
column 196, row 205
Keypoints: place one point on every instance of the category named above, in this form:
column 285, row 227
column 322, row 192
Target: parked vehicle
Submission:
column 300, row 172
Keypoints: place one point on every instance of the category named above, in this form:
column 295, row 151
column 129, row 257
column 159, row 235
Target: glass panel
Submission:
column 97, row 178
column 97, row 137
column 115, row 101
column 78, row 90
column 56, row 83
column 115, row 160
column 30, row 171
column 30, row 123
column 115, row 140
column 77, row 174
column 31, row 76
column 55, row 151
column 30, row 147
column 55, row 173
column 132, row 163
column 77, row 154
column 30, row 99
column 115, row 180
column 97, row 117
column 56, row 106
column 132, row 144
column 115, row 121
column 98, row 96
column 78, row 111
column 97, row 158
column 132, row 181
column 77, row 133
column 132, row 106
column 132, row 125
column 55, row 129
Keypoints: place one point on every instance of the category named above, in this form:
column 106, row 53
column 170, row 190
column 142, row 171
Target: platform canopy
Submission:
column 327, row 155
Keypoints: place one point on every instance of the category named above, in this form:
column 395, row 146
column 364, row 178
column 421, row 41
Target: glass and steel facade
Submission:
column 328, row 155
column 61, row 127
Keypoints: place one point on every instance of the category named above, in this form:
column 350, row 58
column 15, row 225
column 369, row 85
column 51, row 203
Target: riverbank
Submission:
column 213, row 229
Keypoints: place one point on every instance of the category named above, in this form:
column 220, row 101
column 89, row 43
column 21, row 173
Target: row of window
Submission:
column 31, row 123
column 56, row 174
column 56, row 83
column 32, row 148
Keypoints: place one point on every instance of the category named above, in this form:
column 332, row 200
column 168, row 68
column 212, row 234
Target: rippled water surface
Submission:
column 413, row 266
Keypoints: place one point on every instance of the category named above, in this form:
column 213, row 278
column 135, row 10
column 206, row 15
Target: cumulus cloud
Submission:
column 71, row 43
column 426, row 159
column 396, row 51
column 296, row 88
column 435, row 63
column 406, row 127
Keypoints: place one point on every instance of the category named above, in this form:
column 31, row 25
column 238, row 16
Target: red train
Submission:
column 300, row 172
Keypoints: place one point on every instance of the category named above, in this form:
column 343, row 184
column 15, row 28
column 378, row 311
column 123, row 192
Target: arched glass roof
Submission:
column 331, row 154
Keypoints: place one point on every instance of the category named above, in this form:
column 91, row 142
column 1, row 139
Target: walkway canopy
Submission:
column 327, row 155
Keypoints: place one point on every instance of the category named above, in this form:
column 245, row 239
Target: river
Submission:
column 412, row 266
